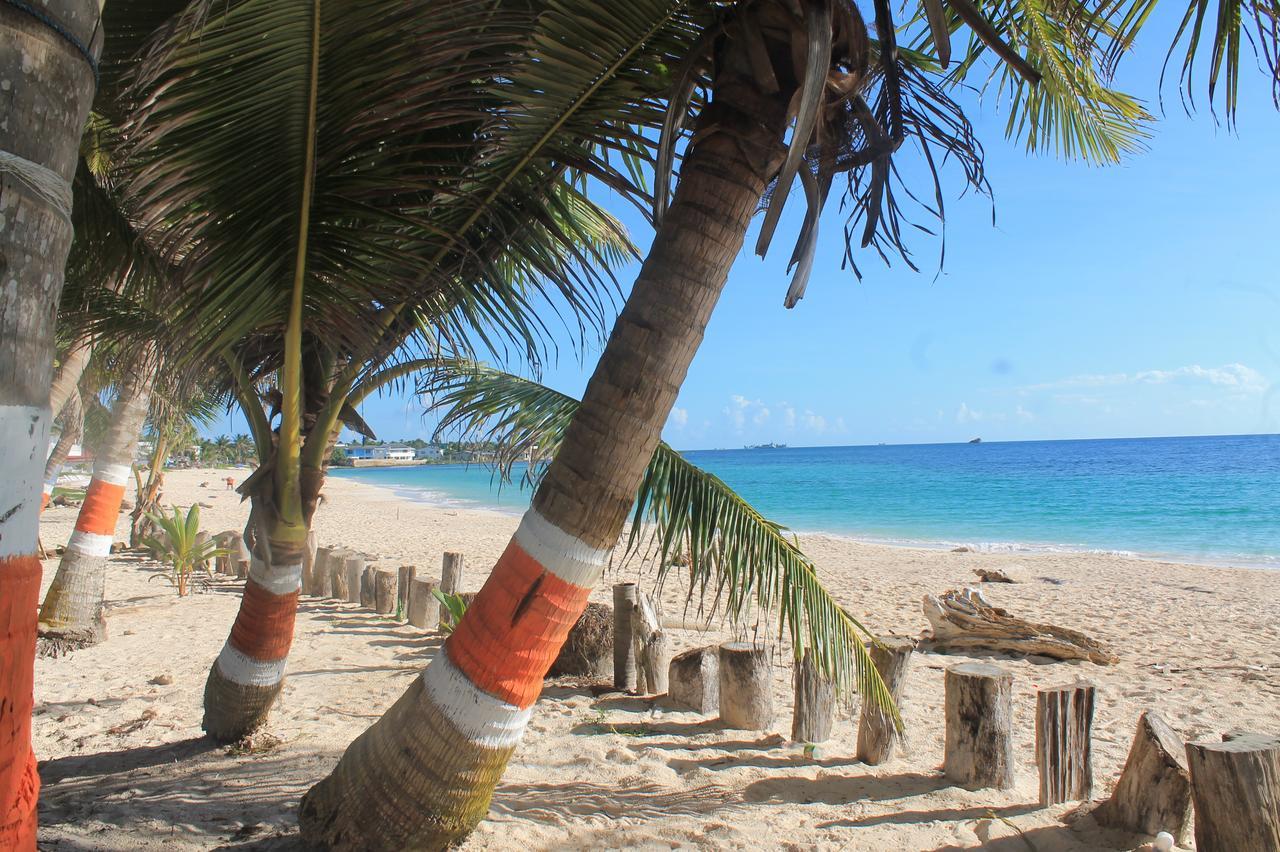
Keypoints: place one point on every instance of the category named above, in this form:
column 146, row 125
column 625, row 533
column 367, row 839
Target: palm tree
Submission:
column 422, row 775
column 72, row 419
column 40, row 123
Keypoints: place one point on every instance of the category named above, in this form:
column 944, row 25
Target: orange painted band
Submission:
column 513, row 630
column 101, row 508
column 264, row 626
column 19, row 782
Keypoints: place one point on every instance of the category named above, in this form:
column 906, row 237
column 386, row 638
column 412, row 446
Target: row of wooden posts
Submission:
column 1233, row 785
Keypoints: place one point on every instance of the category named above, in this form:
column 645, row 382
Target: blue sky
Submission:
column 1134, row 300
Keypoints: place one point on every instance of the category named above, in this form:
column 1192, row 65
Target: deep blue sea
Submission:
column 1210, row 499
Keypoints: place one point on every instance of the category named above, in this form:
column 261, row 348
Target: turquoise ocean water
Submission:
column 1210, row 499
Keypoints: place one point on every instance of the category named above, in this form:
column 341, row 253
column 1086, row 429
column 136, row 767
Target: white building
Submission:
column 400, row 453
column 430, row 453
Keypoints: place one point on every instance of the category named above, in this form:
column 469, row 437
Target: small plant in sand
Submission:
column 453, row 606
column 180, row 547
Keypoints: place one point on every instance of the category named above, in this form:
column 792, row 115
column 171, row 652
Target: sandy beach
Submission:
column 124, row 766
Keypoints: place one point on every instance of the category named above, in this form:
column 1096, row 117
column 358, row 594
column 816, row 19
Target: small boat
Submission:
column 769, row 446
column 976, row 441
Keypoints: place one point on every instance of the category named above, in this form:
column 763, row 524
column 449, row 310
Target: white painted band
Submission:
column 114, row 474
column 90, row 544
column 478, row 716
column 49, row 485
column 276, row 579
column 24, row 442
column 246, row 671
column 560, row 553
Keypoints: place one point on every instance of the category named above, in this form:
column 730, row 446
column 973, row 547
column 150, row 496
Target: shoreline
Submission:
column 1013, row 549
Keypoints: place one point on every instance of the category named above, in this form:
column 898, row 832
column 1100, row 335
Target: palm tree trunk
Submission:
column 41, row 117
column 423, row 775
column 68, row 373
column 72, row 427
column 148, row 497
column 71, row 616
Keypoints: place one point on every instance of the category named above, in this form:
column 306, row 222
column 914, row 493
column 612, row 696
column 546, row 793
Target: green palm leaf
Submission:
column 737, row 558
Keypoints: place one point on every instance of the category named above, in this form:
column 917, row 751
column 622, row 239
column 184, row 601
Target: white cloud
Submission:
column 744, row 413
column 965, row 414
column 1234, row 377
column 679, row 417
column 1023, row 415
column 816, row 422
column 788, row 415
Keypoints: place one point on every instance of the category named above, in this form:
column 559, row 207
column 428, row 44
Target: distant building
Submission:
column 359, row 452
column 430, row 453
column 400, row 453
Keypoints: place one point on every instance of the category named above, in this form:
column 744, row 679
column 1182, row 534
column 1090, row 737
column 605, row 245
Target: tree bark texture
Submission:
column 814, row 710
column 48, row 89
column 1064, row 742
column 877, row 735
column 653, row 656
column 1154, row 790
column 71, row 616
column 385, row 590
column 979, row 719
column 72, row 428
column 746, row 686
column 693, row 681
column 422, row 776
column 1235, row 788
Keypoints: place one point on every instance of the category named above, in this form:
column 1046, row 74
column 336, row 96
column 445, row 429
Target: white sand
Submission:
column 125, row 768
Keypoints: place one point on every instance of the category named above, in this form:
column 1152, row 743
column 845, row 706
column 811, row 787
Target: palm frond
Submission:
column 737, row 558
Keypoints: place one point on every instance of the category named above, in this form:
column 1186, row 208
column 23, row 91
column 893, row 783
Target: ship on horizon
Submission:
column 769, row 446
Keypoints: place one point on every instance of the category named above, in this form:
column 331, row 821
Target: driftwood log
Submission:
column 588, row 650
column 1235, row 788
column 625, row 596
column 1154, row 791
column 353, row 568
column 746, row 686
column 653, row 655
column 693, row 680
column 979, row 725
column 814, row 710
column 424, row 609
column 1064, row 742
column 385, row 590
column 993, row 575
column 963, row 620
column 877, row 734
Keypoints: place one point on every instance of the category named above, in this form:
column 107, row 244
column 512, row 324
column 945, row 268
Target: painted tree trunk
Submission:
column 422, row 776
column 71, row 616
column 42, row 114
column 72, row 426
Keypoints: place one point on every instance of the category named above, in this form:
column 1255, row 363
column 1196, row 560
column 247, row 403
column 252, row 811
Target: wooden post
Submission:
column 1064, row 742
column 368, row 595
column 229, row 541
column 243, row 558
column 653, row 657
column 979, row 716
column 353, row 567
column 1235, row 785
column 385, row 590
column 203, row 538
column 322, row 577
column 406, row 583
column 814, row 710
column 424, row 609
column 746, row 686
column 694, row 680
column 450, row 579
column 337, row 577
column 320, row 563
column 1154, row 791
column 309, row 557
column 877, row 735
column 625, row 596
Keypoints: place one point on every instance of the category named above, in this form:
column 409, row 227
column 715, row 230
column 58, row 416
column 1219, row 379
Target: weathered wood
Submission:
column 625, row 596
column 588, row 651
column 203, row 538
column 963, row 620
column 353, row 567
column 229, row 542
column 368, row 594
column 877, row 734
column 318, row 563
column 243, row 558
column 653, row 656
column 993, row 575
column 746, row 686
column 337, row 577
column 406, row 583
column 693, row 680
column 309, row 556
column 1154, row 790
column 423, row 608
column 386, row 590
column 322, row 577
column 979, row 725
column 450, row 580
column 1235, row 788
column 814, row 710
column 1064, row 742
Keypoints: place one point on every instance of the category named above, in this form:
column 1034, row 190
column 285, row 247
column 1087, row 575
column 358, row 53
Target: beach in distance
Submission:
column 124, row 766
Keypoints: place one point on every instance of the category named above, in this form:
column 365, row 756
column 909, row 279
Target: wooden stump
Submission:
column 653, row 656
column 353, row 567
column 337, row 577
column 309, row 556
column 1154, row 791
column 203, row 538
column 877, row 734
column 979, row 719
column 368, row 595
column 625, row 596
column 229, row 541
column 450, row 580
column 693, row 680
column 243, row 557
column 385, row 590
column 424, row 609
column 1064, row 742
column 814, row 710
column 406, row 584
column 588, row 651
column 1235, row 786
column 320, row 563
column 746, row 686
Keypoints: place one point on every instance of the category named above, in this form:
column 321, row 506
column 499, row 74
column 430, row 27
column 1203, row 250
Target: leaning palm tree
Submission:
column 422, row 775
column 53, row 53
